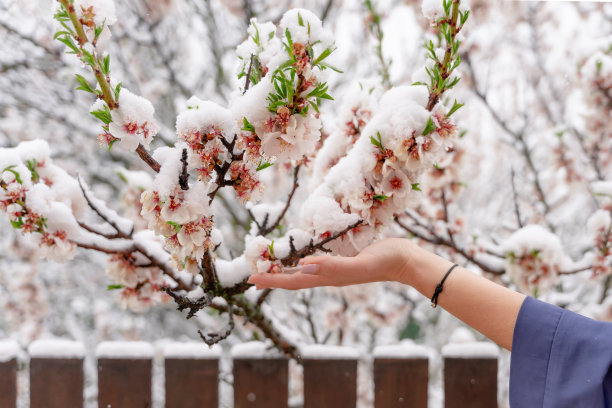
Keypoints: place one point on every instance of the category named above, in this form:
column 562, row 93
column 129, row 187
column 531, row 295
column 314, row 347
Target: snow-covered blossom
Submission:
column 599, row 228
column 133, row 121
column 377, row 177
column 40, row 198
column 278, row 114
column 259, row 253
column 534, row 258
column 95, row 14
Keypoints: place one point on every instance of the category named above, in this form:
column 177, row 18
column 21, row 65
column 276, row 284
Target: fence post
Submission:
column 9, row 351
column 192, row 372
column 56, row 373
column 470, row 375
column 401, row 375
column 261, row 376
column 330, row 376
column 124, row 374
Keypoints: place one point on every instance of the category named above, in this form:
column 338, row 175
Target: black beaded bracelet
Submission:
column 434, row 298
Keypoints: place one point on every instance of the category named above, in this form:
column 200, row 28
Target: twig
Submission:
column 313, row 329
column 248, row 75
column 517, row 210
column 437, row 240
column 146, row 157
column 120, row 234
column 213, row 338
column 264, row 229
column 294, row 256
column 184, row 302
column 184, row 176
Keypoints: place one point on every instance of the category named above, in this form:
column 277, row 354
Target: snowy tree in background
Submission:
column 269, row 170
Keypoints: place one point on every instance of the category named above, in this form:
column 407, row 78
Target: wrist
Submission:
column 422, row 269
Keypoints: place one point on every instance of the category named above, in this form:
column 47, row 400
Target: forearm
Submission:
column 487, row 307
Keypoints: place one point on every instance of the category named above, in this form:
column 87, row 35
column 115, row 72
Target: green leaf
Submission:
column 15, row 173
column 419, row 83
column 455, row 108
column 122, row 177
column 271, row 248
column 263, row 165
column 117, row 91
column 300, row 20
column 326, row 53
column 325, row 65
column 429, row 127
column 377, row 142
column 87, row 57
column 247, row 126
column 32, row 165
column 111, row 144
column 61, row 33
column 415, row 186
column 114, row 287
column 17, row 224
column 69, row 43
column 106, row 64
column 98, row 31
column 103, row 115
column 289, row 40
column 381, row 197
column 177, row 227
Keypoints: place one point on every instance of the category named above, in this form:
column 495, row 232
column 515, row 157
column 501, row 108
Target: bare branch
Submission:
column 264, row 229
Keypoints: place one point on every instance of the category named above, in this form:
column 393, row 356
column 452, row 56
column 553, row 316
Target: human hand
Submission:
column 385, row 260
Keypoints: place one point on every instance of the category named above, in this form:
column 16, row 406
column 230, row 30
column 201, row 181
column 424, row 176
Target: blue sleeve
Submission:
column 559, row 359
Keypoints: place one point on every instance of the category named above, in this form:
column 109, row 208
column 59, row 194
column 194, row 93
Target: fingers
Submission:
column 330, row 265
column 286, row 281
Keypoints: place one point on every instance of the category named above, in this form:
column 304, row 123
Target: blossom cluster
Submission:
column 534, row 258
column 140, row 285
column 280, row 110
column 378, row 176
column 597, row 78
column 40, row 198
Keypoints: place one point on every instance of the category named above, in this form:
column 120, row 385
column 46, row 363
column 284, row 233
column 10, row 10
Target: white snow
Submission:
column 124, row 349
column 402, row 351
column 9, row 349
column 255, row 350
column 56, row 348
column 124, row 225
column 470, row 350
column 191, row 351
column 327, row 352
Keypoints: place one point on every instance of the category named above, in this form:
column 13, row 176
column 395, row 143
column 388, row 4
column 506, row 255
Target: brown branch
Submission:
column 248, row 75
column 183, row 302
column 146, row 157
column 213, row 338
column 104, row 250
column 184, row 176
column 256, row 317
column 295, row 255
column 95, row 231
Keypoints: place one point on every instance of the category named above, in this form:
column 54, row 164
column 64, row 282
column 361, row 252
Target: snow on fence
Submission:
column 261, row 377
